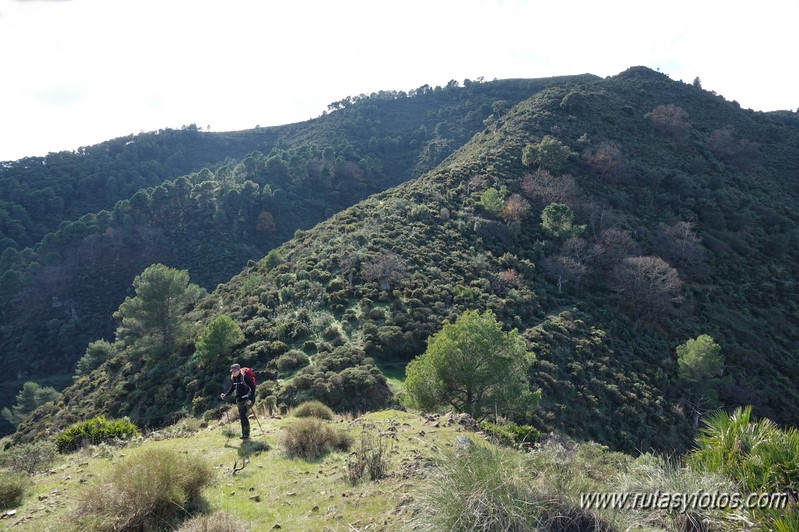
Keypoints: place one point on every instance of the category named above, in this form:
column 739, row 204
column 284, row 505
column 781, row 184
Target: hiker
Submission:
column 245, row 395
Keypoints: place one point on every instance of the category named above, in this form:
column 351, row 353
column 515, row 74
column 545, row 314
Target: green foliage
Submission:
column 757, row 455
column 651, row 474
column 549, row 154
column 492, row 201
column 699, row 359
column 13, row 487
column 218, row 338
column 28, row 399
column 510, row 433
column 162, row 296
column 310, row 438
column 147, row 490
column 315, row 409
column 473, row 366
column 494, row 489
column 30, row 457
column 272, row 259
column 96, row 353
column 700, row 365
column 94, row 431
column 291, row 360
column 557, row 220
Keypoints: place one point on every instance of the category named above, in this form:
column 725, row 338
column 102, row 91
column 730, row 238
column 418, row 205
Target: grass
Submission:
column 271, row 489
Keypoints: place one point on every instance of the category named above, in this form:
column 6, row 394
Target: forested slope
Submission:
column 236, row 195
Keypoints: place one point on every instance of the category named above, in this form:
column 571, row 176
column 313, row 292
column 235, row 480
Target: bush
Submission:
column 292, row 360
column 94, row 431
column 148, row 490
column 649, row 474
column 216, row 522
column 30, row 458
column 511, row 433
column 315, row 409
column 12, row 489
column 492, row 488
column 311, row 438
column 371, row 457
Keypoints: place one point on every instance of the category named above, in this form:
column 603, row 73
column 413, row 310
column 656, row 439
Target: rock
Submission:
column 466, row 421
column 256, row 498
column 276, row 527
column 463, row 445
column 315, row 508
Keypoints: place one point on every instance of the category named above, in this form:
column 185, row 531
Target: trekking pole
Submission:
column 256, row 417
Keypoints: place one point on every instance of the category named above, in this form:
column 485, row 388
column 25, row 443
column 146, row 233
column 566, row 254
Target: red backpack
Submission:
column 251, row 374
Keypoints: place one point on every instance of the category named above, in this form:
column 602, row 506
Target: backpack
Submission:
column 251, row 374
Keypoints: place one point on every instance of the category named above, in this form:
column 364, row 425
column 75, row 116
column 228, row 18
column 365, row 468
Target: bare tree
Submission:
column 607, row 160
column 646, row 286
column 386, row 269
column 612, row 246
column 670, row 120
column 516, row 208
column 680, row 244
column 563, row 269
column 542, row 186
column 741, row 153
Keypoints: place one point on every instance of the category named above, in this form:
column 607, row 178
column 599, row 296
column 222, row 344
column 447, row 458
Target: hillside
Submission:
column 207, row 202
column 683, row 224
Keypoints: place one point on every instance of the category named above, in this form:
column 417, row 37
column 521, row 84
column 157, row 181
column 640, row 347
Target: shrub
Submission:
column 216, row 522
column 648, row 474
column 292, row 360
column 511, row 433
column 492, row 488
column 94, row 431
column 31, row 457
column 371, row 457
column 311, row 438
column 12, row 489
column 315, row 409
column 148, row 490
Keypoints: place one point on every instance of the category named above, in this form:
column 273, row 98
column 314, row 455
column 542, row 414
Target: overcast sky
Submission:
column 78, row 72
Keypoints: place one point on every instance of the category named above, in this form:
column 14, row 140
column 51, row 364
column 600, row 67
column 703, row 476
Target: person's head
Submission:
column 235, row 369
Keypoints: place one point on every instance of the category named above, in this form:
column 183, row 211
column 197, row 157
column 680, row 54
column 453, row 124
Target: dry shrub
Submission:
column 12, row 489
column 148, row 490
column 310, row 438
column 315, row 409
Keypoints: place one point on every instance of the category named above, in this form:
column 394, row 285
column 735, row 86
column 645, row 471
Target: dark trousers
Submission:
column 245, row 421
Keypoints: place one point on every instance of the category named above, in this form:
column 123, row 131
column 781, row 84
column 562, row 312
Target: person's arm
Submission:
column 230, row 389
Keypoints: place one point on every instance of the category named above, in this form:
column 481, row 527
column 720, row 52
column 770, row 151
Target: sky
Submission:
column 78, row 72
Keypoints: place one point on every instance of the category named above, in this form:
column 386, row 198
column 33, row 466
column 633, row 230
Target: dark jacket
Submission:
column 244, row 387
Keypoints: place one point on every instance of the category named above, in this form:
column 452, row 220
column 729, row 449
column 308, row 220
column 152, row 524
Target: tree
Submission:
column 386, row 269
column 700, row 366
column 473, row 366
column 550, row 154
column 492, row 201
column 96, row 353
column 29, row 398
column 515, row 209
column 563, row 269
column 155, row 313
column 557, row 220
column 670, row 120
column 646, row 286
column 218, row 338
column 546, row 188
